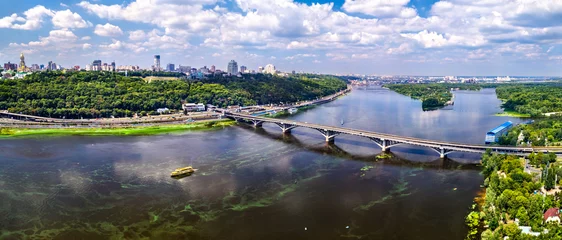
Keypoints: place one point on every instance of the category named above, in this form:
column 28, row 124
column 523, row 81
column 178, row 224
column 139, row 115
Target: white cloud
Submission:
column 360, row 56
column 137, row 35
column 457, row 30
column 108, row 30
column 116, row 45
column 403, row 48
column 301, row 55
column 68, row 19
column 336, row 56
column 61, row 39
column 380, row 8
column 86, row 46
column 33, row 19
column 85, row 38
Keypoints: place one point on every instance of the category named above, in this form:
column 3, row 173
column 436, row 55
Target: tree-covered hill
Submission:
column 105, row 94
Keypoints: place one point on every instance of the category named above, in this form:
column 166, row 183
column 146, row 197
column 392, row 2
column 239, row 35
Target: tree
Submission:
column 550, row 179
column 473, row 222
column 522, row 216
column 552, row 157
column 511, row 230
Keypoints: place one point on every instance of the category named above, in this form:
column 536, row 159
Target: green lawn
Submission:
column 513, row 114
column 133, row 131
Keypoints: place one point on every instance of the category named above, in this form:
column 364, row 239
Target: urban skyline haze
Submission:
column 392, row 37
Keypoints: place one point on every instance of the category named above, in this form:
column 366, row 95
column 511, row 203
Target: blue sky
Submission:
column 384, row 37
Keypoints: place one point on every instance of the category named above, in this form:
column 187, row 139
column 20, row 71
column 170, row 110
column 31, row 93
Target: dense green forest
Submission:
column 542, row 132
column 433, row 95
column 533, row 99
column 104, row 94
column 511, row 194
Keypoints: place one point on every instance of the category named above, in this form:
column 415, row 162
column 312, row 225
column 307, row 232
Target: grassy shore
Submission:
column 513, row 114
column 118, row 131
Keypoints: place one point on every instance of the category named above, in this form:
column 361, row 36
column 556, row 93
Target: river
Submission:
column 254, row 183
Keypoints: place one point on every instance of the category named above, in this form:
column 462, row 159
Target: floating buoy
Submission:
column 454, row 189
column 347, row 227
column 305, row 229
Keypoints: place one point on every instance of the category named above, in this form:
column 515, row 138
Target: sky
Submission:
column 382, row 37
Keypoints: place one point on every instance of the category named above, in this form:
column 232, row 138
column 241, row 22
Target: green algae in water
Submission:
column 399, row 190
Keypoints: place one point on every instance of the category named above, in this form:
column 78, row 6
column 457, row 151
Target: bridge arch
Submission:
column 386, row 141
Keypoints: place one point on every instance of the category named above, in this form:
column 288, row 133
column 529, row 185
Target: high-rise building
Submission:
column 10, row 66
column 170, row 67
column 270, row 69
column 157, row 63
column 232, row 68
column 35, row 67
column 260, row 69
column 96, row 65
column 213, row 69
column 113, row 66
column 41, row 67
column 50, row 65
column 243, row 69
column 184, row 69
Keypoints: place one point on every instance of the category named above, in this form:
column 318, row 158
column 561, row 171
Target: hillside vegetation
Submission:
column 434, row 95
column 533, row 99
column 104, row 94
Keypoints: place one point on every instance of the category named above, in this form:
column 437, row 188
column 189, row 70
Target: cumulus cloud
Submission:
column 466, row 30
column 108, row 30
column 380, row 8
column 137, row 35
column 68, row 19
column 33, row 19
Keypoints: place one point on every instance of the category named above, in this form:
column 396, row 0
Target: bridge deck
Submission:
column 450, row 146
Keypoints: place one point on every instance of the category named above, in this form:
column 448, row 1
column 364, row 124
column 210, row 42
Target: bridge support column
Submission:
column 384, row 144
column 329, row 135
column 257, row 123
column 442, row 151
column 286, row 128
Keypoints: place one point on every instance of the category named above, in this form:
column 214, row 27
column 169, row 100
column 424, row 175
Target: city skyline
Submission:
column 397, row 37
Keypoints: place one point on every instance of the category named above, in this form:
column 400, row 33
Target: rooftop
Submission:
column 552, row 212
column 501, row 127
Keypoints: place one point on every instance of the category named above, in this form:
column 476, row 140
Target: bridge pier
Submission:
column 442, row 151
column 329, row 135
column 384, row 144
column 286, row 128
column 257, row 123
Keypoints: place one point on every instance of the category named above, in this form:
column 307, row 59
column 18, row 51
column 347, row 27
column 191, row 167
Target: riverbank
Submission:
column 513, row 114
column 7, row 132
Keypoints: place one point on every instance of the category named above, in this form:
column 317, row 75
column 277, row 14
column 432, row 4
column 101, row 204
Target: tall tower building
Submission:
column 243, row 69
column 232, row 68
column 157, row 62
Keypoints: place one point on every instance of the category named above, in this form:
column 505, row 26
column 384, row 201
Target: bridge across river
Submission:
column 386, row 141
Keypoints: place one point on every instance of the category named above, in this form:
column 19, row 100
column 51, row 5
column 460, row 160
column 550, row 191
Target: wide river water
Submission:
column 254, row 183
